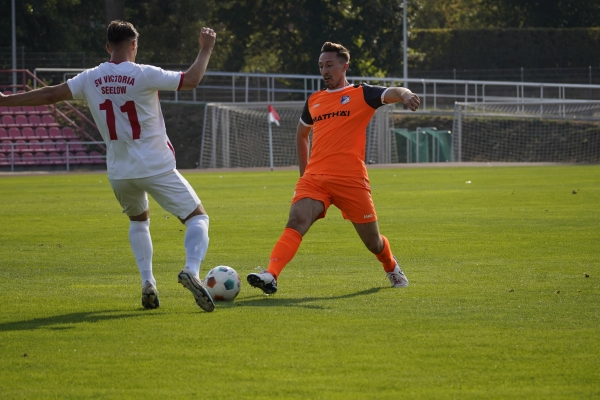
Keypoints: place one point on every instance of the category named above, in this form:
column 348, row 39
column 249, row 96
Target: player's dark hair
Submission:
column 340, row 50
column 119, row 31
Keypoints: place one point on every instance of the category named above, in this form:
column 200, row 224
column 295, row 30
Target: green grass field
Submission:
column 499, row 304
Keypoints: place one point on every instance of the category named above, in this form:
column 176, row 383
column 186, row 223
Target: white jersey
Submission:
column 123, row 99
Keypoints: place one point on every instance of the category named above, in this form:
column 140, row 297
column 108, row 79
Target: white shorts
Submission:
column 171, row 190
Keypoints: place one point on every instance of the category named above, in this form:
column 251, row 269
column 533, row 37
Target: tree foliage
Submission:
column 474, row 14
column 287, row 36
column 55, row 25
column 276, row 35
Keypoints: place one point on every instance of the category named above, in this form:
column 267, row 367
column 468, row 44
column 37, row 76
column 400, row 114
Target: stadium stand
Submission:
column 31, row 137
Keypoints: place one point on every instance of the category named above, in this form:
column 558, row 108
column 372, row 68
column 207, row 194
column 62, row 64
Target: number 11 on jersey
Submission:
column 127, row 108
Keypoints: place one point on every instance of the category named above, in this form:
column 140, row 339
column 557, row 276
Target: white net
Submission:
column 550, row 131
column 236, row 135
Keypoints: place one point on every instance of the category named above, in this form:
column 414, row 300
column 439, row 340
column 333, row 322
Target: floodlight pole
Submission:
column 14, row 47
column 405, row 43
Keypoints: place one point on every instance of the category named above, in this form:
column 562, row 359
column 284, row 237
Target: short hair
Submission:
column 119, row 31
column 340, row 50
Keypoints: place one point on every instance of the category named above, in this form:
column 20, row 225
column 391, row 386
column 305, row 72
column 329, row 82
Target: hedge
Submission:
column 437, row 49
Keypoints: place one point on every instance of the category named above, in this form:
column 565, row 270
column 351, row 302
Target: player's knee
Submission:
column 298, row 223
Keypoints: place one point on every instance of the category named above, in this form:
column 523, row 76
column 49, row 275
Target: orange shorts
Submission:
column 351, row 195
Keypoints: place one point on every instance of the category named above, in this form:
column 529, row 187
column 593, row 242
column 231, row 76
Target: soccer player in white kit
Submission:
column 123, row 99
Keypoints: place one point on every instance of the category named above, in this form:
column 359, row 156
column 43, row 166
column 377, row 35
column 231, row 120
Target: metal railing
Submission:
column 436, row 94
column 24, row 85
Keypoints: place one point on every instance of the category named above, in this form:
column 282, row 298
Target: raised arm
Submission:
column 302, row 143
column 194, row 74
column 400, row 94
column 45, row 95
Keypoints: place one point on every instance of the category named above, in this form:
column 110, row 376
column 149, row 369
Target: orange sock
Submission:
column 385, row 257
column 285, row 249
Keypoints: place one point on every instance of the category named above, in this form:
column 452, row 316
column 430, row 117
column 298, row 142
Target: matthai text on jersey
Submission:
column 331, row 115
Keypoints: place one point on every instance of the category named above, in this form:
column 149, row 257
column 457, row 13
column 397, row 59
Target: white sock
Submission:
column 196, row 242
column 141, row 244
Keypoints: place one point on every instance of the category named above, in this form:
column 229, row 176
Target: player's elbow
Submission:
column 190, row 82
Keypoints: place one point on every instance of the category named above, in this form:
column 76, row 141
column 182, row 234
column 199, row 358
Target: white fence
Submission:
column 436, row 94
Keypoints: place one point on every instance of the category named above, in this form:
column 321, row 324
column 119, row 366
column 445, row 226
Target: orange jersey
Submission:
column 339, row 120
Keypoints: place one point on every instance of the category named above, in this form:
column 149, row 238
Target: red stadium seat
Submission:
column 74, row 145
column 97, row 158
column 48, row 120
column 55, row 133
column 15, row 157
column 29, row 110
column 82, row 157
column 70, row 158
column 3, row 133
column 49, row 145
column 35, row 145
column 55, row 158
column 21, row 146
column 3, row 160
column 8, row 120
column 61, row 145
column 27, row 133
column 22, row 120
column 35, row 120
column 6, row 146
column 27, row 159
column 42, row 109
column 4, row 110
column 14, row 110
column 14, row 133
column 68, row 133
column 41, row 132
column 42, row 159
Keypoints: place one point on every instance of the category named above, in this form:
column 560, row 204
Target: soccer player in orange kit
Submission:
column 336, row 173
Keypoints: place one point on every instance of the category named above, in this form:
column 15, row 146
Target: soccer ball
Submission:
column 223, row 283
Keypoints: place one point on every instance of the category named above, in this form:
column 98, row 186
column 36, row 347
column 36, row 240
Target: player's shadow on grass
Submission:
column 268, row 301
column 65, row 321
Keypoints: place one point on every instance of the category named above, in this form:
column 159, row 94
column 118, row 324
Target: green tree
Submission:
column 275, row 36
column 473, row 14
column 169, row 30
column 55, row 25
column 543, row 13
